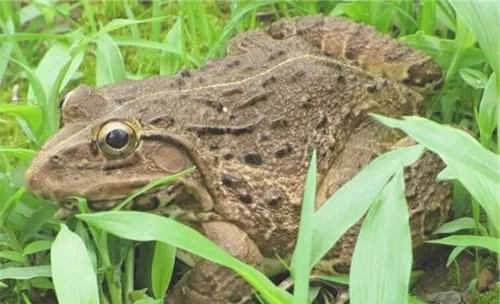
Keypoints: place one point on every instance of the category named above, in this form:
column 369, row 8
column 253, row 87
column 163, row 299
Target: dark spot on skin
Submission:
column 276, row 55
column 280, row 123
column 213, row 146
column 264, row 136
column 341, row 79
column 217, row 130
column 253, row 100
column 235, row 298
column 328, row 54
column 298, row 75
column 253, row 158
column 185, row 73
column 341, row 268
column 231, row 92
column 231, row 180
column 228, row 156
column 201, row 80
column 268, row 81
column 323, row 122
column 283, row 151
column 351, row 53
column 233, row 63
column 273, row 197
column 371, row 88
column 244, row 196
column 211, row 103
column 152, row 204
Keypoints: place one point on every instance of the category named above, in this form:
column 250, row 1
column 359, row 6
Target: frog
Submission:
column 248, row 123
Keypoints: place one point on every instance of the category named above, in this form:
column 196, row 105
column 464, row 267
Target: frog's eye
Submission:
column 116, row 139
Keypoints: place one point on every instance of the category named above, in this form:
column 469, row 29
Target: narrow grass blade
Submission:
column 301, row 270
column 477, row 168
column 109, row 61
column 149, row 227
column 5, row 50
column 381, row 263
column 25, row 273
column 350, row 202
column 162, row 268
column 72, row 272
column 489, row 114
column 483, row 17
column 490, row 243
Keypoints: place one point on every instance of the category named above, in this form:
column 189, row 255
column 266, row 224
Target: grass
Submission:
column 45, row 52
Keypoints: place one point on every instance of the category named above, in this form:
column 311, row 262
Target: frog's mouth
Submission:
column 185, row 193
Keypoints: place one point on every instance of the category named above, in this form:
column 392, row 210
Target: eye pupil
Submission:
column 117, row 138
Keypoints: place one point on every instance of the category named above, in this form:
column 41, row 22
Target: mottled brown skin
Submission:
column 248, row 122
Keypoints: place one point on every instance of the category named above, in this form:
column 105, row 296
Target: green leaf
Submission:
column 490, row 243
column 12, row 256
column 162, row 268
column 74, row 277
column 350, row 202
column 456, row 225
column 474, row 78
column 301, row 270
column 150, row 227
column 489, row 112
column 483, row 17
column 37, row 246
column 30, row 113
column 453, row 255
column 109, row 61
column 25, row 273
column 384, row 249
column 24, row 154
column 6, row 51
column 477, row 168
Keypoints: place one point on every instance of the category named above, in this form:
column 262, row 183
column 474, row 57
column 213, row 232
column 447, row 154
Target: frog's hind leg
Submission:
column 207, row 282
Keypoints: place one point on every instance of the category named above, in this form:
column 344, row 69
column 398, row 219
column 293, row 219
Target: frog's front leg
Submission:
column 207, row 282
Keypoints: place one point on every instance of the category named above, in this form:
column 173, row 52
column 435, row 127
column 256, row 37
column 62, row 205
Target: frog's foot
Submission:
column 207, row 282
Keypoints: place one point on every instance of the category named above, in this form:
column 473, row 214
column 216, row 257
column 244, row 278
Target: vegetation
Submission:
column 49, row 47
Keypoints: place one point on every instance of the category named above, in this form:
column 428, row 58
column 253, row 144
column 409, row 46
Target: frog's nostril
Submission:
column 55, row 159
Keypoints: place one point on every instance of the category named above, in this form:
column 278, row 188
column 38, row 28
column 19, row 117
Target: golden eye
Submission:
column 116, row 139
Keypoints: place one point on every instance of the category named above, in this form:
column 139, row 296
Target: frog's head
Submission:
column 104, row 151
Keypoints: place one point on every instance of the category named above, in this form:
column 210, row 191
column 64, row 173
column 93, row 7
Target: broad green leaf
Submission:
column 109, row 61
column 439, row 139
column 32, row 114
column 350, row 202
column 12, row 256
column 381, row 263
column 456, row 225
column 477, row 168
column 474, row 78
column 162, row 268
column 76, row 61
column 37, row 246
column 72, row 272
column 490, row 243
column 25, row 273
column 483, row 17
column 49, row 68
column 443, row 50
column 301, row 270
column 141, row 226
